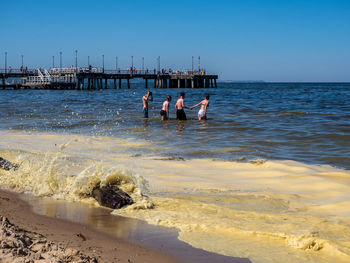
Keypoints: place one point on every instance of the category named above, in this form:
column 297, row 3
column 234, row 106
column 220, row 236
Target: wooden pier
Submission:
column 94, row 78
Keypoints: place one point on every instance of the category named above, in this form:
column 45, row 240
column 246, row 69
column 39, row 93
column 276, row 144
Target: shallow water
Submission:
column 309, row 123
column 266, row 177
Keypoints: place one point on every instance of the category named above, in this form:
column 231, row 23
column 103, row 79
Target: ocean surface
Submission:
column 309, row 123
column 267, row 176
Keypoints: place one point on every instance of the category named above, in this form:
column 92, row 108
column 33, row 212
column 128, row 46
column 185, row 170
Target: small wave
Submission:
column 59, row 176
column 342, row 137
column 229, row 150
column 292, row 113
column 308, row 241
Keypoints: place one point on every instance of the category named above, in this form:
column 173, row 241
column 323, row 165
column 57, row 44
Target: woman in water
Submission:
column 202, row 113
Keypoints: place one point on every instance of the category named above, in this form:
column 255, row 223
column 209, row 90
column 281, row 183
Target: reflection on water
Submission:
column 180, row 126
column 165, row 125
column 145, row 123
column 98, row 217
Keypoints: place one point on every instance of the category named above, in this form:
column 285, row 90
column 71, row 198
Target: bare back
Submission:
column 179, row 104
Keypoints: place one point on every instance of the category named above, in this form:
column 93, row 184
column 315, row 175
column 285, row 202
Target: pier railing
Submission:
column 73, row 70
column 46, row 78
column 130, row 72
column 62, row 70
column 153, row 72
column 17, row 71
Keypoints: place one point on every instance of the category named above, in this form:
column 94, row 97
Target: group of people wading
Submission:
column 179, row 106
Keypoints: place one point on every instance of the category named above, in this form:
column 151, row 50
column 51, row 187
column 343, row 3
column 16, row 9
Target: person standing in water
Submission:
column 165, row 109
column 202, row 113
column 180, row 106
column 145, row 99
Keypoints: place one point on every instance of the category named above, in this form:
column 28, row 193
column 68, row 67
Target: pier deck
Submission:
column 93, row 78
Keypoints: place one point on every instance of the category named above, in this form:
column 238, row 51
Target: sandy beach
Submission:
column 28, row 236
column 187, row 131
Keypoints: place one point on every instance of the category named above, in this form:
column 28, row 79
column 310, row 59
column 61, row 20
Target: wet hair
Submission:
column 150, row 92
column 182, row 94
column 169, row 98
column 207, row 96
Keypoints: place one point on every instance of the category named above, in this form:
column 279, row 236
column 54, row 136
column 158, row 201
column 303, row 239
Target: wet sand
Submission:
column 131, row 230
column 109, row 238
column 72, row 236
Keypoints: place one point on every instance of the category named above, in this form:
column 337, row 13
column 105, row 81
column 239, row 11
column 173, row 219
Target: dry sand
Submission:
column 28, row 237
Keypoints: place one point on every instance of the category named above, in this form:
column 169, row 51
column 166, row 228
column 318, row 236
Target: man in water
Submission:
column 165, row 109
column 145, row 99
column 202, row 113
column 179, row 106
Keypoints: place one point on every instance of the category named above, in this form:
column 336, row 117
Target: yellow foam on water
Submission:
column 269, row 211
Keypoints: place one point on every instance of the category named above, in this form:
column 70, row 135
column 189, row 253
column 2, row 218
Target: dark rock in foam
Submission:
column 7, row 165
column 111, row 196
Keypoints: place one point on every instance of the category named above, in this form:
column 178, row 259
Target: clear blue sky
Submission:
column 239, row 40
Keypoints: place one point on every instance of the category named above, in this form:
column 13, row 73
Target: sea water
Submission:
column 265, row 177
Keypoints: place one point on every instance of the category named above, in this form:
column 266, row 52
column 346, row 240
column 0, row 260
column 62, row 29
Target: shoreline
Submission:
column 145, row 244
column 73, row 236
column 130, row 230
